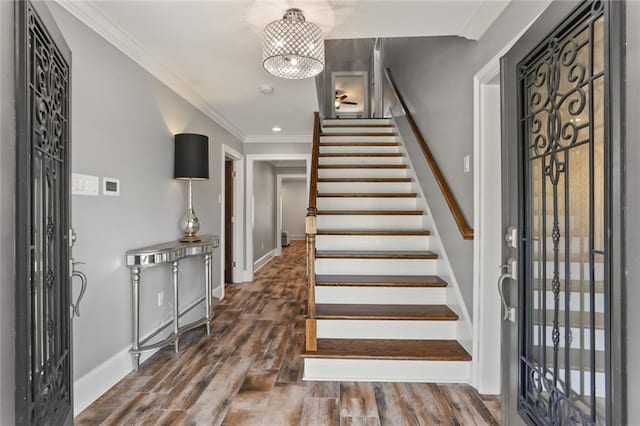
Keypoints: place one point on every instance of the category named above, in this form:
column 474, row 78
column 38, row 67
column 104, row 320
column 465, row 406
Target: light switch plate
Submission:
column 467, row 164
column 85, row 185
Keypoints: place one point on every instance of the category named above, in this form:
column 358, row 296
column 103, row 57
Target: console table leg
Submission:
column 135, row 281
column 207, row 291
column 176, row 327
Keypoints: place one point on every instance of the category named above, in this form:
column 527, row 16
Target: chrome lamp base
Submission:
column 190, row 223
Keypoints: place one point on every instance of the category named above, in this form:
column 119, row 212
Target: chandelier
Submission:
column 293, row 48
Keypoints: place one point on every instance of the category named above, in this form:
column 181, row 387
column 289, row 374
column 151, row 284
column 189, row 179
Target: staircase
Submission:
column 378, row 300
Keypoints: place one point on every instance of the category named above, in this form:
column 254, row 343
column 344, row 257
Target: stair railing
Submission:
column 454, row 207
column 311, row 229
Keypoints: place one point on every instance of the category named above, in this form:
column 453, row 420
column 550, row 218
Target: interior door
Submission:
column 556, row 182
column 44, row 385
column 228, row 221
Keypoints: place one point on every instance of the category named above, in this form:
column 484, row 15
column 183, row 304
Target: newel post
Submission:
column 311, row 339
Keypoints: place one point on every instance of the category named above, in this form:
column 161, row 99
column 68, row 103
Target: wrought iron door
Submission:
column 43, row 323
column 563, row 363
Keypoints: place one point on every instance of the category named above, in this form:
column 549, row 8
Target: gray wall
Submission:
column 7, row 226
column 123, row 121
column 264, row 209
column 294, row 206
column 632, row 211
column 277, row 148
column 435, row 76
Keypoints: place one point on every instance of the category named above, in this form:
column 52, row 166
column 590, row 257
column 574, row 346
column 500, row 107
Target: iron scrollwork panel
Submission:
column 562, row 359
column 49, row 341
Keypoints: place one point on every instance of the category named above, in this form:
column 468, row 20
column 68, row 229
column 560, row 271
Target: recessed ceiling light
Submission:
column 276, row 129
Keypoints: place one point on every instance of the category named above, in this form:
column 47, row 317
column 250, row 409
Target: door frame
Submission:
column 279, row 179
column 486, row 358
column 249, row 202
column 238, row 199
column 511, row 154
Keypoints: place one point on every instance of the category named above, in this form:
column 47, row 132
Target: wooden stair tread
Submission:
column 361, row 154
column 394, row 232
column 366, row 180
column 380, row 281
column 363, row 166
column 378, row 254
column 368, row 195
column 357, row 125
column 385, row 312
column 359, row 144
column 372, row 212
column 390, row 349
column 359, row 134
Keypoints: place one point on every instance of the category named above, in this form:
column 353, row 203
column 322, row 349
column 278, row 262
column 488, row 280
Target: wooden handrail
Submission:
column 311, row 229
column 465, row 229
column 315, row 151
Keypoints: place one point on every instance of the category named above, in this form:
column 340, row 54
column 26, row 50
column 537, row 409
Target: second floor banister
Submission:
column 311, row 229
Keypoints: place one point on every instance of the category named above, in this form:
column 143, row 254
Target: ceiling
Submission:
column 210, row 52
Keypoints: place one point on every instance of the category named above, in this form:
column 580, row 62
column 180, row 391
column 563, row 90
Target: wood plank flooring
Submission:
column 249, row 372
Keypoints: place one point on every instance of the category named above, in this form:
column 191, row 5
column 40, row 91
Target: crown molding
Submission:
column 483, row 18
column 278, row 139
column 89, row 14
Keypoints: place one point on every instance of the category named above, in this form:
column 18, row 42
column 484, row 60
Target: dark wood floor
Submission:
column 249, row 372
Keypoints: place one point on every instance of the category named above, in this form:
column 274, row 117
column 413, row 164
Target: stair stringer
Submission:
column 454, row 299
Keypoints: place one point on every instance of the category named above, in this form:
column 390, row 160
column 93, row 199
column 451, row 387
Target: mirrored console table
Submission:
column 169, row 253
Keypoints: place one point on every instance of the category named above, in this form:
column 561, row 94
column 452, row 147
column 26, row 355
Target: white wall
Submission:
column 264, row 209
column 294, row 207
column 7, row 225
column 123, row 122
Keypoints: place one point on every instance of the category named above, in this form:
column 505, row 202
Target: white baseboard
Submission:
column 88, row 388
column 264, row 259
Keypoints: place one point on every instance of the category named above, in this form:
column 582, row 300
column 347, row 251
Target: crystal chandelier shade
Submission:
column 293, row 48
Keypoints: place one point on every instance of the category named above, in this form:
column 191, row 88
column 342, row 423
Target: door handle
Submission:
column 75, row 306
column 511, row 274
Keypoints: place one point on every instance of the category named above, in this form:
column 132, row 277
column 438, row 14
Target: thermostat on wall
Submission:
column 111, row 186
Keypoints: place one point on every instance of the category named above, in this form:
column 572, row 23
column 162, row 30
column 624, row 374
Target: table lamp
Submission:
column 191, row 163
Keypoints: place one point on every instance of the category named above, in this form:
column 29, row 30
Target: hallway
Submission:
column 249, row 373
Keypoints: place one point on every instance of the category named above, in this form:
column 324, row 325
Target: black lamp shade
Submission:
column 191, row 156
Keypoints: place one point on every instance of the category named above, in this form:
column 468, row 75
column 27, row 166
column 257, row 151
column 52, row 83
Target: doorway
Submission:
column 231, row 206
column 351, row 90
column 43, row 344
column 558, row 142
column 229, row 175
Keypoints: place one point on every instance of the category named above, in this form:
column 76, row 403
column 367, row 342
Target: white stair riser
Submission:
column 389, row 329
column 361, row 160
column 322, row 173
column 367, row 203
column 394, row 187
column 359, row 139
column 354, row 148
column 356, row 129
column 376, row 266
column 576, row 338
column 387, row 370
column 369, row 222
column 382, row 295
column 385, row 242
column 356, row 122
column 577, row 301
